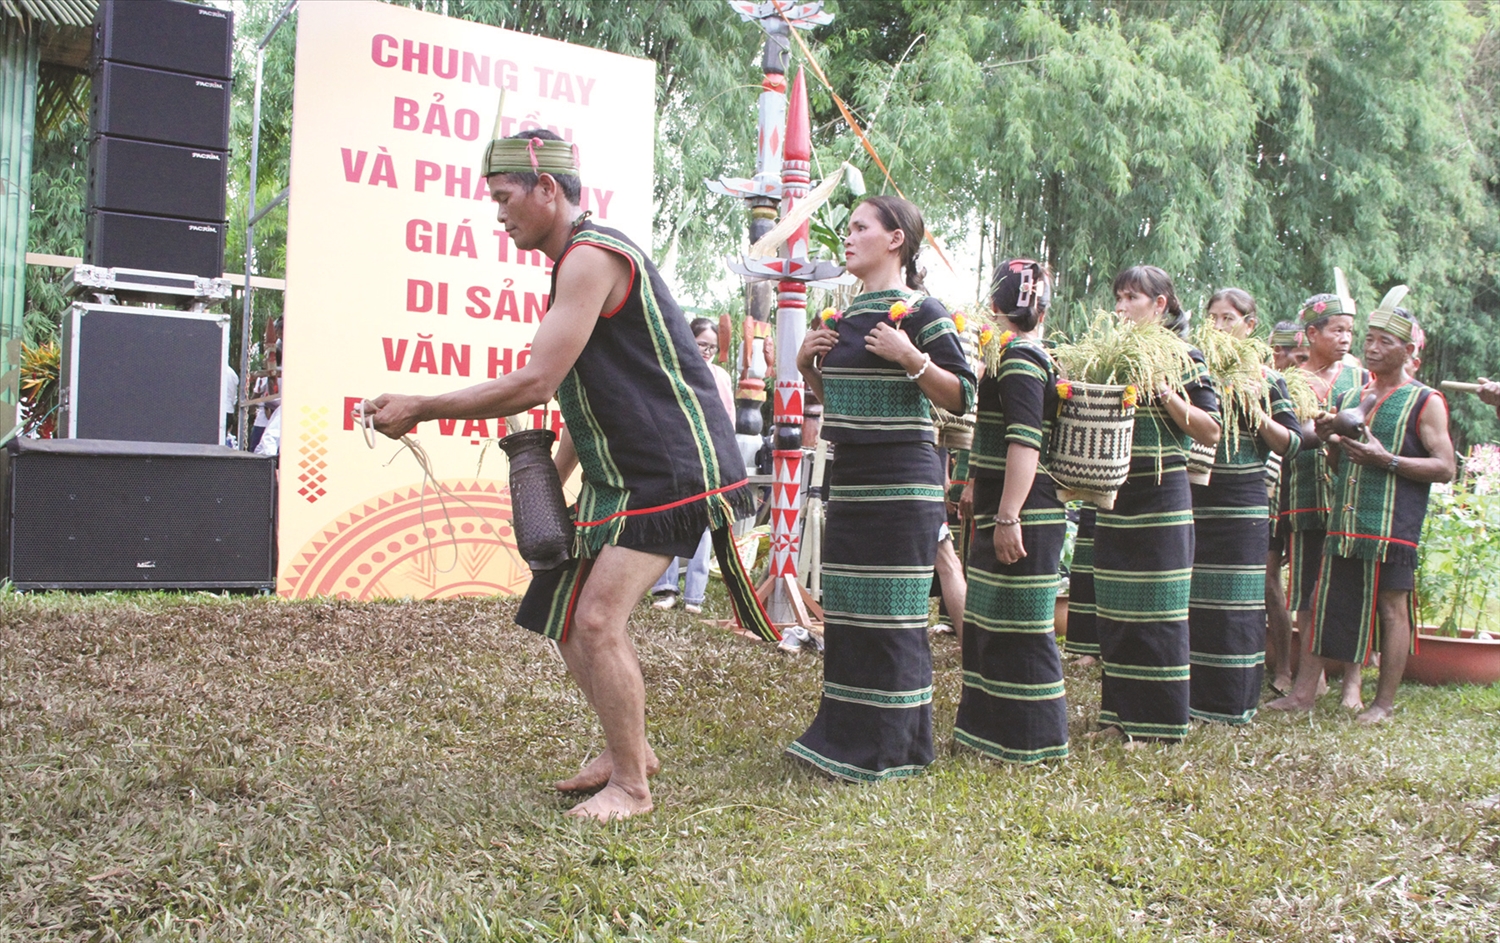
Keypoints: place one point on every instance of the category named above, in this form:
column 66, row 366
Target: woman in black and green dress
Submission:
column 1143, row 546
column 1012, row 705
column 877, row 367
column 1082, row 639
column 1232, row 527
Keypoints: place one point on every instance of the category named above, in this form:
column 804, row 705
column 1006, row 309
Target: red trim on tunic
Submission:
column 664, row 507
column 583, row 572
column 628, row 292
column 1440, row 396
column 1394, row 540
column 1304, row 511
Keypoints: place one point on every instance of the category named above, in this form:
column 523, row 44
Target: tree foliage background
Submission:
column 1257, row 143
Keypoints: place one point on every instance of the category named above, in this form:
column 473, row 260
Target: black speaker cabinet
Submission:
column 166, row 34
column 157, row 179
column 165, row 107
column 81, row 514
column 154, row 243
column 142, row 374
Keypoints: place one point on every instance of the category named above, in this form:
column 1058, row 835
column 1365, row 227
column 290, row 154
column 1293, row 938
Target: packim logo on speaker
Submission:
column 204, row 156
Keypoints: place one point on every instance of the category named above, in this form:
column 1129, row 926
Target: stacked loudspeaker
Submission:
column 140, row 490
column 159, row 129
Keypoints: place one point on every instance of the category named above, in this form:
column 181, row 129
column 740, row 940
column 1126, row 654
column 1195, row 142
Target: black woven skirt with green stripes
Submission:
column 1227, row 610
column 1083, row 632
column 1011, row 706
column 1143, row 571
column 880, row 537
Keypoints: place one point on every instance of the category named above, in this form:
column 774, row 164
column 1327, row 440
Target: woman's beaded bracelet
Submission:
column 1006, row 523
column 926, row 362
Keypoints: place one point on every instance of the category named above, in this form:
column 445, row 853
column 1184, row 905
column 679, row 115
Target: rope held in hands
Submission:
column 408, row 444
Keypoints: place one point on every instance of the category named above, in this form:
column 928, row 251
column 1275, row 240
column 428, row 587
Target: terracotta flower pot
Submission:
column 1441, row 659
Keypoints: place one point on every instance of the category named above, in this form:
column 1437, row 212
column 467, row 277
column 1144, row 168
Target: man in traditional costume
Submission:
column 1381, row 477
column 1288, row 345
column 1288, row 349
column 659, row 458
column 1328, row 325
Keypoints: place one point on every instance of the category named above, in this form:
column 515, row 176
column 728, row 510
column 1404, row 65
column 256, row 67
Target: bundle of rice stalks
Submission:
column 993, row 340
column 1116, row 352
column 1300, row 389
column 1238, row 367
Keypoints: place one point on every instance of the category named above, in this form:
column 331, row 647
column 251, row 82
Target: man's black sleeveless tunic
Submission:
column 658, row 453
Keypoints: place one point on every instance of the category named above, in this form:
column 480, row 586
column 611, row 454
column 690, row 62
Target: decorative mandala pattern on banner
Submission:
column 400, row 544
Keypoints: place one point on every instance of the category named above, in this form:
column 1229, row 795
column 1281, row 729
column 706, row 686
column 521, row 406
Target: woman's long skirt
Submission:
column 1012, row 705
column 1143, row 572
column 885, row 508
column 1083, row 632
column 1227, row 612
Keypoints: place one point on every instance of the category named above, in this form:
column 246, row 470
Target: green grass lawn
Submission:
column 193, row 768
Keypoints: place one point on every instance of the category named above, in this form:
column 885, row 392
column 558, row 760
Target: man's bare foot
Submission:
column 595, row 774
column 1374, row 714
column 1083, row 661
column 610, row 803
column 1282, row 685
column 1106, row 734
column 1289, row 703
column 1352, row 697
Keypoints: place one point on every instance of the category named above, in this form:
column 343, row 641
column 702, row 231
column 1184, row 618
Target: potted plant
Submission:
column 39, row 372
column 1458, row 584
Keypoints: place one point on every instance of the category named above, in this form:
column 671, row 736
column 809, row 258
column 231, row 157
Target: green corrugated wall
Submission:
column 19, row 53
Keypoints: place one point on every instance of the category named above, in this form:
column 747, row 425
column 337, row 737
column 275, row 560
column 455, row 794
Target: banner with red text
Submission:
column 400, row 280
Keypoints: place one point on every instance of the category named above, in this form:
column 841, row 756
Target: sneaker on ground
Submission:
column 664, row 601
column 692, row 607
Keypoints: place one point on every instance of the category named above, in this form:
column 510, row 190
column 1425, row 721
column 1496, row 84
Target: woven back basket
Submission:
column 1200, row 462
column 1089, row 455
column 1273, row 474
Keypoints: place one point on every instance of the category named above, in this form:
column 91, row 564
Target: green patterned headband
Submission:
column 1325, row 309
column 1388, row 319
column 531, row 156
column 528, row 155
column 1288, row 339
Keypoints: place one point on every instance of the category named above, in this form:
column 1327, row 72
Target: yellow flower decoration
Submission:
column 1006, row 338
column 899, row 310
column 985, row 336
column 960, row 322
column 1064, row 389
column 1131, row 396
column 830, row 317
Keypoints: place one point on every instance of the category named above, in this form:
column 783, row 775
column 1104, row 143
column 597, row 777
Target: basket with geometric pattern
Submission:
column 1273, row 474
column 1089, row 454
column 1200, row 462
